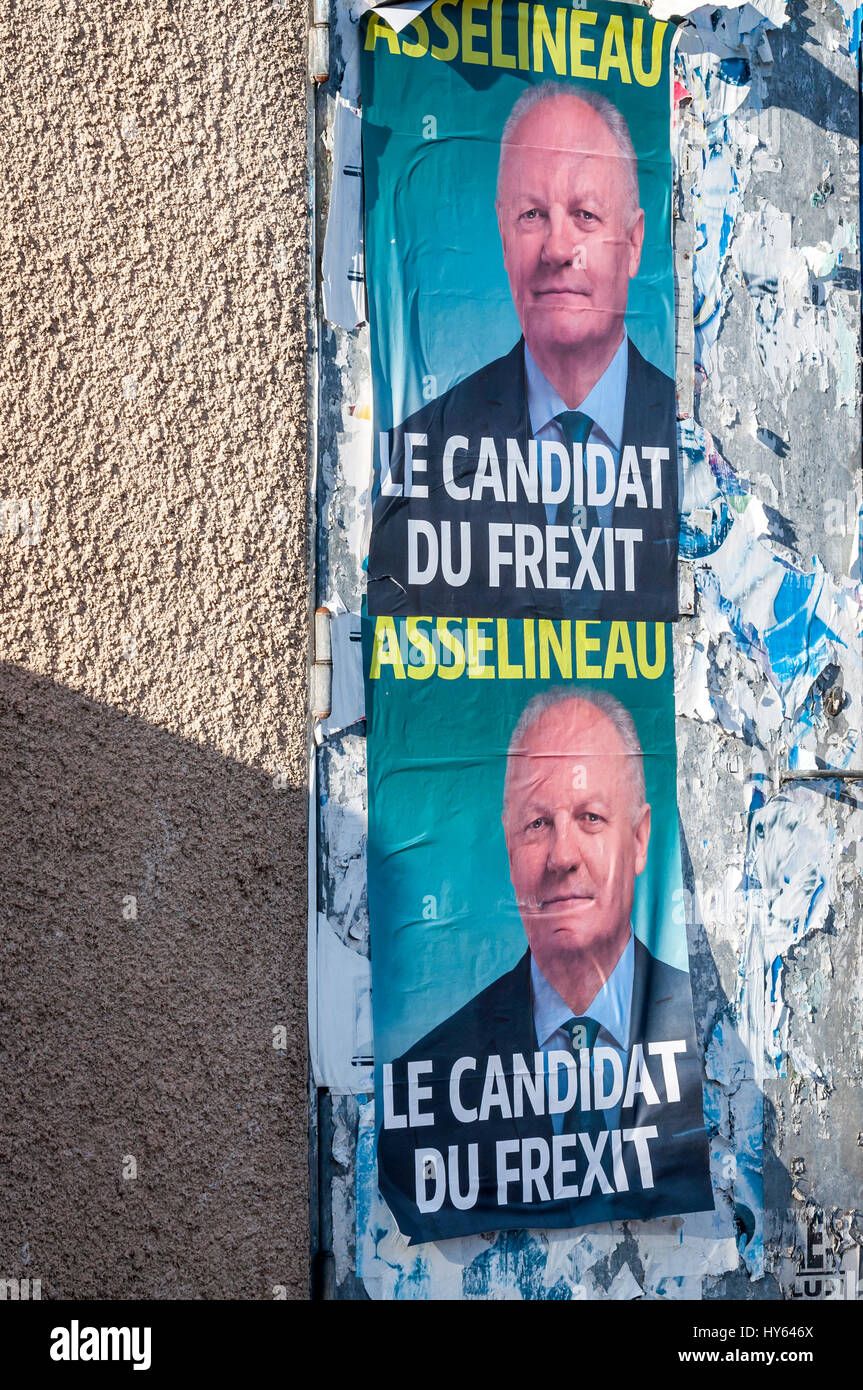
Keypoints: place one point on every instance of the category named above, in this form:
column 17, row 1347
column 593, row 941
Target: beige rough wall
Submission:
column 153, row 634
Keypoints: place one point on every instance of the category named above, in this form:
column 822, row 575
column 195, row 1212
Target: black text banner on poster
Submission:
column 517, row 172
column 535, row 1054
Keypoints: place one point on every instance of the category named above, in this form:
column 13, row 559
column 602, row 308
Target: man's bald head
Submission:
column 592, row 101
column 621, row 721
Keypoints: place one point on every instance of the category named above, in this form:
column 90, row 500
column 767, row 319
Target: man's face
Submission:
column 574, row 836
column 570, row 244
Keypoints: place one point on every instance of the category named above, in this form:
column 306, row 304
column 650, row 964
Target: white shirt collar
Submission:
column 610, row 1007
column 604, row 403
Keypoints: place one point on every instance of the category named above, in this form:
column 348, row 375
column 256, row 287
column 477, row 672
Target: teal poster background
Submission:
column 439, row 299
column 444, row 921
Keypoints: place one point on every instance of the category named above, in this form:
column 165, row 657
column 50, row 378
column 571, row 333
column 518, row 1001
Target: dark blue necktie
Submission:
column 575, row 427
column 581, row 1032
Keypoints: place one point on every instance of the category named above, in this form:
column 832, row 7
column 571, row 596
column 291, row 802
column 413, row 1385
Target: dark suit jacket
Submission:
column 499, row 1021
column 492, row 402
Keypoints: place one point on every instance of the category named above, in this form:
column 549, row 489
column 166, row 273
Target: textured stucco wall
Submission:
column 153, row 588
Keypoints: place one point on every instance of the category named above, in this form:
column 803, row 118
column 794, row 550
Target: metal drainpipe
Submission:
column 322, row 667
column 319, row 41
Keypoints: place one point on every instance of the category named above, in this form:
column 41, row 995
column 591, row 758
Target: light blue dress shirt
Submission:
column 605, row 405
column 611, row 1008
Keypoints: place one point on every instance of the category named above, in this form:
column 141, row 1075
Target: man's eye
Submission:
column 591, row 818
column 531, row 215
column 537, row 824
column 585, row 216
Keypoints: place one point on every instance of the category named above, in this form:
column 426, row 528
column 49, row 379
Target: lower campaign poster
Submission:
column 535, row 1054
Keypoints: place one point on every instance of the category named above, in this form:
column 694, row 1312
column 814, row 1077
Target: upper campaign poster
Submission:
column 517, row 170
column 536, row 1062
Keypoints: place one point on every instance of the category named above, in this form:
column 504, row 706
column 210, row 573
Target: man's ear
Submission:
column 642, row 838
column 636, row 242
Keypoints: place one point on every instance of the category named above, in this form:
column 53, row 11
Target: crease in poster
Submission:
column 536, row 1063
column 517, row 183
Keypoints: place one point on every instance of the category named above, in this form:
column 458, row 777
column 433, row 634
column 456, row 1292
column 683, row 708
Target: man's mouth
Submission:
column 562, row 292
column 562, row 899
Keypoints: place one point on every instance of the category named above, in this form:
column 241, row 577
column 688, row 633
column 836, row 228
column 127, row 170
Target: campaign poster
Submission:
column 536, row 1063
column 517, row 181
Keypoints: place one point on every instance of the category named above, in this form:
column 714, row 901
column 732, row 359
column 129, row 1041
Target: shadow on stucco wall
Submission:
column 153, row 937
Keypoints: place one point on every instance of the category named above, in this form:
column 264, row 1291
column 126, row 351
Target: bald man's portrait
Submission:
column 545, row 482
column 569, row 1090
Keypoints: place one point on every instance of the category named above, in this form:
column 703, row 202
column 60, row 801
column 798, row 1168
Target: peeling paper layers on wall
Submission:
column 789, row 624
column 398, row 15
column 668, row 1259
column 772, row 10
column 790, row 627
column 343, row 288
column 724, row 56
column 795, row 331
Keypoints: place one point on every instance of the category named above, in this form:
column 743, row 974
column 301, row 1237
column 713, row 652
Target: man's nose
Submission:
column 559, row 243
column 564, row 853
